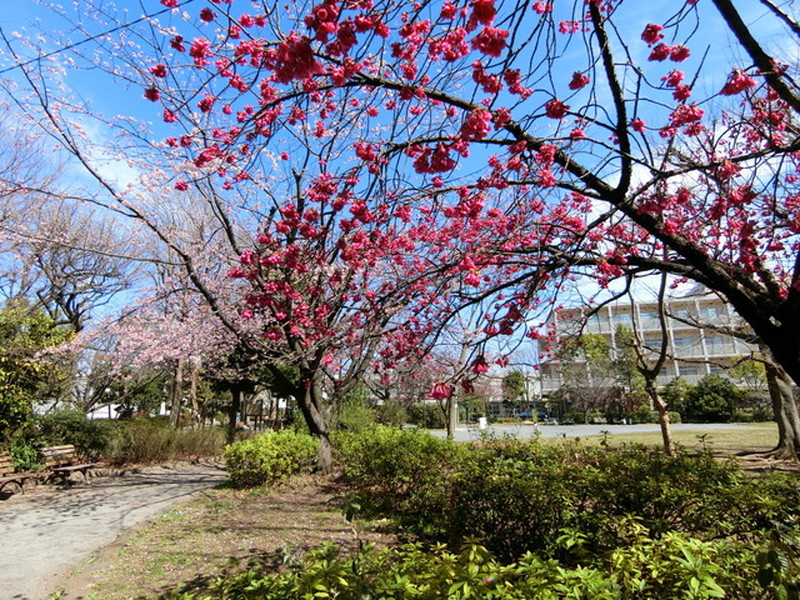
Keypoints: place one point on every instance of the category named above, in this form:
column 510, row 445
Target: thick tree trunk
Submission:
column 325, row 454
column 233, row 413
column 783, row 404
column 318, row 413
column 177, row 392
column 663, row 416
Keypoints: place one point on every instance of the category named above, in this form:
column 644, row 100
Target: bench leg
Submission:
column 18, row 484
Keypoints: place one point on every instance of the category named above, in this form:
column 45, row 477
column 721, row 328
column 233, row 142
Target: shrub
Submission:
column 643, row 414
column 269, row 457
column 25, row 455
column 194, row 443
column 400, row 471
column 712, row 399
column 674, row 417
column 518, row 496
column 675, row 567
column 576, row 416
column 146, row 441
column 743, row 416
column 596, row 417
column 355, row 412
column 354, row 417
column 90, row 437
column 391, row 413
column 428, row 416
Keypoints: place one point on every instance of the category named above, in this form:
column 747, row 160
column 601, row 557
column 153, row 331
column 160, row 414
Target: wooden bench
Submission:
column 62, row 461
column 8, row 475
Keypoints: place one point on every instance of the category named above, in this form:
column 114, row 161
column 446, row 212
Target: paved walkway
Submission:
column 46, row 532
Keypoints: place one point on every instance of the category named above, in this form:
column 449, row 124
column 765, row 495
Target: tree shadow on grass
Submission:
column 263, row 563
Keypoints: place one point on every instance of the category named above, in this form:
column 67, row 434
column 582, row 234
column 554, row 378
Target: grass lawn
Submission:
column 754, row 437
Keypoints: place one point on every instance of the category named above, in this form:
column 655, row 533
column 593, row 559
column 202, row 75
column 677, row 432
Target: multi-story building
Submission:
column 693, row 350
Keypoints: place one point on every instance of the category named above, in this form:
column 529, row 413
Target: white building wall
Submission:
column 693, row 352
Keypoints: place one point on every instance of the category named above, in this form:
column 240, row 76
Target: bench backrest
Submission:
column 6, row 464
column 60, row 456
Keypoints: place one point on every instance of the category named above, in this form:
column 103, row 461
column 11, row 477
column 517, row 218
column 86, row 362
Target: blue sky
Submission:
column 38, row 26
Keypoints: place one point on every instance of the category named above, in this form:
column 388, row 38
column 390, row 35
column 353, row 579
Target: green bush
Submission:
column 25, row 454
column 90, row 437
column 147, row 441
column 391, row 413
column 576, row 416
column 427, row 416
column 356, row 411
column 643, row 414
column 672, row 568
column 712, row 399
column 517, row 496
column 269, row 457
column 404, row 472
column 596, row 417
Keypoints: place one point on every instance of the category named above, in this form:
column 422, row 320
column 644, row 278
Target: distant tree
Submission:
column 587, row 373
column 751, row 374
column 647, row 363
column 712, row 399
column 514, row 388
column 676, row 394
column 136, row 391
column 26, row 376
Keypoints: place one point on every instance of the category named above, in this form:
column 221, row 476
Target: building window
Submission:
column 594, row 324
column 649, row 315
column 709, row 313
column 622, row 319
column 689, row 370
column 682, row 313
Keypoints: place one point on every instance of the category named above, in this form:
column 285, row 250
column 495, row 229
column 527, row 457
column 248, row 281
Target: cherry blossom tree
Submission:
column 396, row 163
column 533, row 137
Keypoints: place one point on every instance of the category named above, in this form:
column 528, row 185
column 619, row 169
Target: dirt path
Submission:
column 46, row 532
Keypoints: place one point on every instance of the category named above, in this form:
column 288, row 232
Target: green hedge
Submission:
column 521, row 496
column 400, row 471
column 269, row 457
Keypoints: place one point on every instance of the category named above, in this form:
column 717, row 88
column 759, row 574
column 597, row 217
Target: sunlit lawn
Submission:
column 755, row 437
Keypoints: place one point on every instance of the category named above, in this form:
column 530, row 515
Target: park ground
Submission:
column 227, row 530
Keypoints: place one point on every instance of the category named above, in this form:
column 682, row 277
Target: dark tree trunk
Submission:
column 318, row 413
column 781, row 393
column 195, row 419
column 177, row 392
column 233, row 413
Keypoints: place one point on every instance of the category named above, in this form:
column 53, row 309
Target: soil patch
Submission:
column 224, row 531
